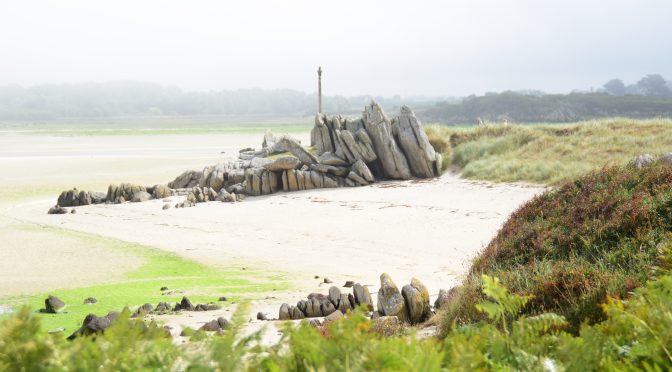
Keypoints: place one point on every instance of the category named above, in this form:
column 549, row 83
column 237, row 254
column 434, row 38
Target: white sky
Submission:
column 407, row 47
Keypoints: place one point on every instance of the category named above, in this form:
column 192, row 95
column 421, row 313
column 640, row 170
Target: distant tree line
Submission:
column 127, row 98
column 651, row 96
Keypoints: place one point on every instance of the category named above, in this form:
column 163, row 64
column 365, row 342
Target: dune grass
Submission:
column 202, row 284
column 597, row 237
column 548, row 153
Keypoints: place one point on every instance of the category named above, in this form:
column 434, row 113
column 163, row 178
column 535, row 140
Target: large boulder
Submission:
column 283, row 313
column 283, row 163
column 161, row 191
column 390, row 300
column 140, row 196
column 74, row 198
column 392, row 160
column 416, row 297
column 413, row 141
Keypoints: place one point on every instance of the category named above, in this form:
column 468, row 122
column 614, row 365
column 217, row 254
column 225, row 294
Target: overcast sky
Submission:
column 388, row 47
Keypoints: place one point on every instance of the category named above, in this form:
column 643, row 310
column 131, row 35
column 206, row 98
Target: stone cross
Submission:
column 319, row 90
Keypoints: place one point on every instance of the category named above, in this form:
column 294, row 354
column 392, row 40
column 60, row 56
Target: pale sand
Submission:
column 426, row 229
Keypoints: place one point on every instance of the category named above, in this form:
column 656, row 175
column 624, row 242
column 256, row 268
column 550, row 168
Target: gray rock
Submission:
column 57, row 210
column 357, row 179
column 416, row 297
column 216, row 325
column 362, row 296
column 327, row 308
column 187, row 179
column 336, row 315
column 294, row 147
column 444, row 298
column 344, row 304
column 185, row 304
column 390, row 300
column 166, row 206
column 314, row 308
column 363, row 171
column 284, row 312
column 329, row 158
column 349, row 284
column 161, row 192
column 642, row 161
column 53, row 304
column 320, row 136
column 90, row 301
column 144, row 309
column 93, row 324
column 261, row 316
column 334, row 295
column 393, row 162
column 666, row 159
column 284, row 163
column 415, row 144
column 295, row 313
column 387, row 325
column 225, row 196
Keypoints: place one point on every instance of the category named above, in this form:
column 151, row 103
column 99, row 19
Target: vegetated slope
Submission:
column 598, row 236
column 553, row 108
column 548, row 154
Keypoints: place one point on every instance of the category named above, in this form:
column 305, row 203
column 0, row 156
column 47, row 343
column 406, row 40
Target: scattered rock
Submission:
column 73, row 211
column 642, row 161
column 57, row 330
column 144, row 309
column 53, row 304
column 327, row 281
column 161, row 192
column 162, row 308
column 261, row 316
column 222, row 298
column 185, row 304
column 90, row 301
column 93, row 324
column 164, row 288
column 390, row 300
column 666, row 159
column 206, row 307
column 57, row 210
column 216, row 325
column 166, row 206
column 349, row 284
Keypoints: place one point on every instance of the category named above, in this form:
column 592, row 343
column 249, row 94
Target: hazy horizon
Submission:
column 376, row 48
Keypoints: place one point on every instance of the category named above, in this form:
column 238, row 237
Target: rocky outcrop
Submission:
column 93, row 324
column 347, row 152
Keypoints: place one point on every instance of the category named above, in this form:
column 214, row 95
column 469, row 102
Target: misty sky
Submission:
column 365, row 47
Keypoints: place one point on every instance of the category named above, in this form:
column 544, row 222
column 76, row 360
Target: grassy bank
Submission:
column 202, row 284
column 548, row 153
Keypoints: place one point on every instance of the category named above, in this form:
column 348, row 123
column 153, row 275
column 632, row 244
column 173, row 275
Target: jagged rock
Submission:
column 362, row 296
column 90, row 301
column 444, row 297
column 320, row 137
column 415, row 144
column 185, row 304
column 295, row 313
column 416, row 297
column 225, row 196
column 642, row 161
column 363, row 171
column 334, row 296
column 123, row 192
column 357, row 179
column 337, row 171
column 146, row 309
column 57, row 210
column 162, row 308
column 294, row 147
column 302, row 305
column 330, row 158
column 53, row 304
column 390, row 300
column 392, row 160
column 284, row 163
column 284, row 312
column 140, row 196
column 336, row 315
column 161, row 192
column 93, row 324
column 187, row 179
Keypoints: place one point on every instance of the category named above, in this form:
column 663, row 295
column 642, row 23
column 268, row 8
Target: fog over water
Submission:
column 365, row 47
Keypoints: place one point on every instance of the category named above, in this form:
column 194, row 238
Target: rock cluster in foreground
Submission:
column 410, row 305
column 344, row 152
